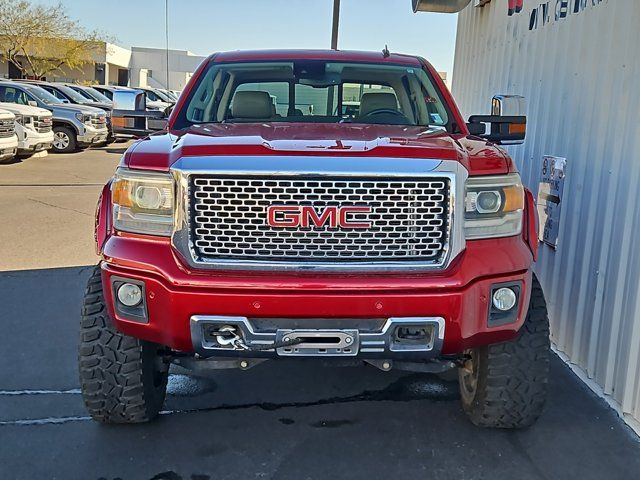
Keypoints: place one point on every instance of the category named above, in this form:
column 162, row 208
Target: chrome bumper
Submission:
column 381, row 343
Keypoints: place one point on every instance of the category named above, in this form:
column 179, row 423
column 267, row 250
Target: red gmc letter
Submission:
column 347, row 223
column 285, row 220
column 310, row 215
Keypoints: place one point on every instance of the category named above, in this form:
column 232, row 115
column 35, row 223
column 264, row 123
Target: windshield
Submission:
column 315, row 91
column 92, row 92
column 162, row 96
column 72, row 94
column 42, row 95
column 83, row 93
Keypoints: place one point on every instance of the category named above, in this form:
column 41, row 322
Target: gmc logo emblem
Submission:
column 291, row 216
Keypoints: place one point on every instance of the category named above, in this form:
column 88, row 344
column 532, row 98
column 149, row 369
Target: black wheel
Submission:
column 123, row 379
column 505, row 385
column 64, row 140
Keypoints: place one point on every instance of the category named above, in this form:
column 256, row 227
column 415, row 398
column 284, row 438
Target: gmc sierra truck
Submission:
column 268, row 221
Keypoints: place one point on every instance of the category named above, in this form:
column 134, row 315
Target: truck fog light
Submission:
column 129, row 294
column 504, row 299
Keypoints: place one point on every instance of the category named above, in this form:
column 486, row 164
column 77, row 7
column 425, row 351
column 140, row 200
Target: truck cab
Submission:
column 321, row 205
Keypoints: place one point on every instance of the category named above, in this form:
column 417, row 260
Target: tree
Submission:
column 40, row 40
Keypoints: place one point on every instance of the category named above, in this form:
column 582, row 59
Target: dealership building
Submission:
column 577, row 64
column 111, row 64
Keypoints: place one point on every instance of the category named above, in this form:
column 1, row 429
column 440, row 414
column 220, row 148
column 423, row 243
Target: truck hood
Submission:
column 26, row 110
column 99, row 105
column 159, row 152
column 75, row 108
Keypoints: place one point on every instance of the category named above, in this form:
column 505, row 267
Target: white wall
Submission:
column 182, row 64
column 580, row 72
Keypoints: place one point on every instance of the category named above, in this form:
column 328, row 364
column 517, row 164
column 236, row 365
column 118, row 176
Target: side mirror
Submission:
column 32, row 103
column 508, row 121
column 133, row 100
column 130, row 116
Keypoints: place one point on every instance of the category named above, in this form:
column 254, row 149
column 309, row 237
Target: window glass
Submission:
column 315, row 91
column 278, row 91
column 13, row 95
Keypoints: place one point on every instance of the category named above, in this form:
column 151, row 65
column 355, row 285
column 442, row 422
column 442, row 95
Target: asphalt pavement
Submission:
column 279, row 420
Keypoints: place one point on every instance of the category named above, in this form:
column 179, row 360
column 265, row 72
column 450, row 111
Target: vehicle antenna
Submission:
column 385, row 51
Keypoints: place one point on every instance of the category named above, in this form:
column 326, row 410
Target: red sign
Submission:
column 515, row 6
column 299, row 216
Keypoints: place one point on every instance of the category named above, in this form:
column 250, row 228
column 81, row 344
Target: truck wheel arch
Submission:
column 66, row 123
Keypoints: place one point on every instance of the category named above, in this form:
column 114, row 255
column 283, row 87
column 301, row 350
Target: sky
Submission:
column 204, row 27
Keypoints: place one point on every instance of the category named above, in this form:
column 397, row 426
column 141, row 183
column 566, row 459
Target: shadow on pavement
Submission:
column 280, row 420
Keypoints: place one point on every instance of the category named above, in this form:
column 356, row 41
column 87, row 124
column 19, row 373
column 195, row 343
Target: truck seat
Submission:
column 252, row 105
column 371, row 102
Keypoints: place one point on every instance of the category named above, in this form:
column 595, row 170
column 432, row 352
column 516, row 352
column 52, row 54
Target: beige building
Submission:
column 136, row 67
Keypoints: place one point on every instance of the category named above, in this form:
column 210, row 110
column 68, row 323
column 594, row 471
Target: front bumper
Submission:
column 370, row 338
column 93, row 136
column 8, row 147
column 175, row 294
column 35, row 142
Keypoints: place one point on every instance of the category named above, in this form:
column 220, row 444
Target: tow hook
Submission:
column 227, row 336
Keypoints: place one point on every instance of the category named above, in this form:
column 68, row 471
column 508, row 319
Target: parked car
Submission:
column 74, row 126
column 66, row 94
column 8, row 138
column 401, row 237
column 34, row 127
column 157, row 96
column 171, row 95
column 90, row 93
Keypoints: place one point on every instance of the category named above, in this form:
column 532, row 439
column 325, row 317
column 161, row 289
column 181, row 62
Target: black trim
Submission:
column 497, row 318
column 139, row 312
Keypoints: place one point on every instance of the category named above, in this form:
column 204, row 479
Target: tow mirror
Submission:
column 439, row 6
column 130, row 115
column 508, row 121
column 133, row 100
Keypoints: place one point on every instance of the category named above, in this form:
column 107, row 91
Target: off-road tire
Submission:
column 122, row 379
column 511, row 377
column 72, row 145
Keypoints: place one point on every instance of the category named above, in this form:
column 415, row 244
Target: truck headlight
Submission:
column 494, row 206
column 143, row 202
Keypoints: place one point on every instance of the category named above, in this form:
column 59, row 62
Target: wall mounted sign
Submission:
column 550, row 11
column 546, row 11
column 549, row 201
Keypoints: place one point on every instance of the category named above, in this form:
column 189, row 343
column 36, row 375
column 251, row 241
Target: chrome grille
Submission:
column 409, row 219
column 43, row 124
column 7, row 128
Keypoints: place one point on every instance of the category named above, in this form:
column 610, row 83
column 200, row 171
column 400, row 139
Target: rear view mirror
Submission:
column 32, row 103
column 508, row 121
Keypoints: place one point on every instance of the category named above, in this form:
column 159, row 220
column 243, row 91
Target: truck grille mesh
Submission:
column 7, row 128
column 43, row 124
column 409, row 219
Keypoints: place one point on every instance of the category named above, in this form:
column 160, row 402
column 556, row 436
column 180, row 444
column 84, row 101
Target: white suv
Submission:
column 8, row 138
column 34, row 127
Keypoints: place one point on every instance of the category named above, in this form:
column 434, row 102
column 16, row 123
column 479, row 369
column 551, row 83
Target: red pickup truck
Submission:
column 320, row 204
